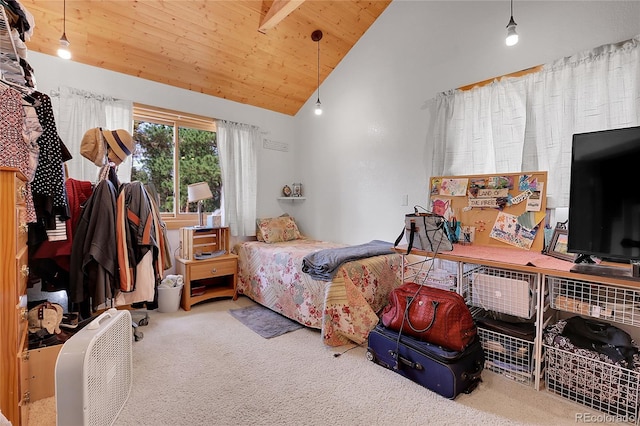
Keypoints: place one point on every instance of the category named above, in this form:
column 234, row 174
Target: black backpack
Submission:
column 601, row 337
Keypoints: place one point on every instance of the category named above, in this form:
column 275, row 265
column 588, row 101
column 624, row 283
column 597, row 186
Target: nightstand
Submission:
column 207, row 279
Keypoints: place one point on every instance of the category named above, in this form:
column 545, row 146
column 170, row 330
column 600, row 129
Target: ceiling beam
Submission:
column 278, row 11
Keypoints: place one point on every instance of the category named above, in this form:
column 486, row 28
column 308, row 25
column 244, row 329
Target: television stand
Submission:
column 607, row 271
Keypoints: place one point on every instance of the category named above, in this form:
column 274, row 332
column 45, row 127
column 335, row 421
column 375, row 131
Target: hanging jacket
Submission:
column 136, row 233
column 94, row 263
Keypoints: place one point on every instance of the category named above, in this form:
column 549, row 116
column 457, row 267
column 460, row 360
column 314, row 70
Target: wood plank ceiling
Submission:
column 258, row 53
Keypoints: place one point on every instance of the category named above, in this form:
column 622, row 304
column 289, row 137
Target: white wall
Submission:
column 274, row 167
column 370, row 146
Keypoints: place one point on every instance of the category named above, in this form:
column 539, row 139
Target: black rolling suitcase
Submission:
column 443, row 371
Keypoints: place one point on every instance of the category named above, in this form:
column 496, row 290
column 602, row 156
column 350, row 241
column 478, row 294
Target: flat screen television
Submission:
column 604, row 200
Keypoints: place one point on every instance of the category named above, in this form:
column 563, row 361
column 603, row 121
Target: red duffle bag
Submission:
column 436, row 316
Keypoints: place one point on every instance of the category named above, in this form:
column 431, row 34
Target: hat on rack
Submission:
column 120, row 144
column 93, row 146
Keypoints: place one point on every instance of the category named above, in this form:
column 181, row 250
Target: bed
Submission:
column 345, row 309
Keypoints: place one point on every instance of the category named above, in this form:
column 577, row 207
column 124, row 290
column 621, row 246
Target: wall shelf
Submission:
column 292, row 198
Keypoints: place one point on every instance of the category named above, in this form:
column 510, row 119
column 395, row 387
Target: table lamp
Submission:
column 198, row 192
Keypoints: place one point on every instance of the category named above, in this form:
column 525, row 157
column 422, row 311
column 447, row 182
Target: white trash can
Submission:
column 169, row 298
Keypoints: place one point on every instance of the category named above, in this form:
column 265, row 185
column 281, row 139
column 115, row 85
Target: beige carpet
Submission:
column 204, row 367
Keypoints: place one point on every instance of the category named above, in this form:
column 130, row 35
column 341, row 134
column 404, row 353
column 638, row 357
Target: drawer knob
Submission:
column 214, row 270
column 24, row 270
column 22, row 192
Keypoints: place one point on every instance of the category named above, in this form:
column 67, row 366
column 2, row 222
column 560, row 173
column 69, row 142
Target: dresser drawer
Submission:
column 21, row 190
column 23, row 353
column 22, row 231
column 42, row 368
column 213, row 268
column 22, row 270
column 24, row 387
column 23, row 323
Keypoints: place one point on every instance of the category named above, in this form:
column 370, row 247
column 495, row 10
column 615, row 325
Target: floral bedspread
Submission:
column 344, row 309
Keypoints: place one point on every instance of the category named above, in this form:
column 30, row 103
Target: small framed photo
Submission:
column 558, row 245
column 297, row 190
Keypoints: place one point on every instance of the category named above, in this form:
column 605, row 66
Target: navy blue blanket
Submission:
column 323, row 264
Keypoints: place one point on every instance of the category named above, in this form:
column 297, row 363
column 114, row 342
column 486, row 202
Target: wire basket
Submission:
column 605, row 387
column 608, row 302
column 501, row 290
column 437, row 273
column 508, row 356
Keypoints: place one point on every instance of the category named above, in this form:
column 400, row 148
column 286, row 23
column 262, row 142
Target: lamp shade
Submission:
column 198, row 191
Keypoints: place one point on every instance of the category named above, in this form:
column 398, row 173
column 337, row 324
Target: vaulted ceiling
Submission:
column 258, row 53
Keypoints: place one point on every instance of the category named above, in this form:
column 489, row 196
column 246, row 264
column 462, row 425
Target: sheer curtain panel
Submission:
column 527, row 123
column 237, row 145
column 76, row 112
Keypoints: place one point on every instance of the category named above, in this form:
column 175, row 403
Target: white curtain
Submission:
column 77, row 111
column 527, row 123
column 237, row 147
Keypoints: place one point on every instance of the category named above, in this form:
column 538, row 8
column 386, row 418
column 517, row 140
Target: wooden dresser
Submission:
column 14, row 374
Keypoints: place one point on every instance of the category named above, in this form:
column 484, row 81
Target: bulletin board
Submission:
column 499, row 210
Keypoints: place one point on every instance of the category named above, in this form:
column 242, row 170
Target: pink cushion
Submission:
column 277, row 229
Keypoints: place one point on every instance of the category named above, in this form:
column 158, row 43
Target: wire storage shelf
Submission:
column 415, row 268
column 437, row 273
column 509, row 356
column 602, row 386
column 612, row 303
column 500, row 290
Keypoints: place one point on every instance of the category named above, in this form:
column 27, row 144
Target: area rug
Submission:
column 263, row 321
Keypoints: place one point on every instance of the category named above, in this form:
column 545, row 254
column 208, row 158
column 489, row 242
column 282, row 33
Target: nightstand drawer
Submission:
column 216, row 268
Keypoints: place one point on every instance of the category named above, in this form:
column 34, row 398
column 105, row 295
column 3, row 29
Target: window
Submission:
column 174, row 150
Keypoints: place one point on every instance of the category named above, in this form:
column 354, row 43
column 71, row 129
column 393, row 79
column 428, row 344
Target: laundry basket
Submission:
column 169, row 293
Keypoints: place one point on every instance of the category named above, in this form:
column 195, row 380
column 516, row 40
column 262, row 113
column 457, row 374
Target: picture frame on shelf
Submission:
column 559, row 244
column 296, row 190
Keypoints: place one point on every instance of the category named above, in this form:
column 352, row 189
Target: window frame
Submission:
column 176, row 119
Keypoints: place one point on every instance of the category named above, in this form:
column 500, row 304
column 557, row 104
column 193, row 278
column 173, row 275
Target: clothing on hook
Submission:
column 25, row 92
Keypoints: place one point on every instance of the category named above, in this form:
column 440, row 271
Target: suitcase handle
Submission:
column 405, row 361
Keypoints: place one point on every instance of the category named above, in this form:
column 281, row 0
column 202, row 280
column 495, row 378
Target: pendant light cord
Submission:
column 318, row 70
column 64, row 17
column 317, row 36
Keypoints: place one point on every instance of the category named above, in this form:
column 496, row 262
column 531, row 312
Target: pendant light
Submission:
column 63, row 50
column 317, row 36
column 512, row 36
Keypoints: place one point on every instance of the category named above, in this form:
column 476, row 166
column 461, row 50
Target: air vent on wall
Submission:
column 275, row 145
